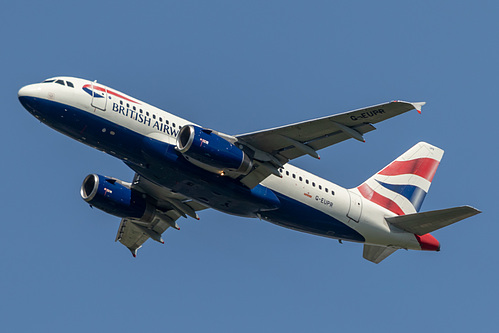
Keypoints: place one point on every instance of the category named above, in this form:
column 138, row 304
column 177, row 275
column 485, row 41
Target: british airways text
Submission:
column 368, row 114
column 143, row 119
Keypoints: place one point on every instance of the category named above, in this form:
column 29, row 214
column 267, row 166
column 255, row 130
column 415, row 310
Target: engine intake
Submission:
column 112, row 197
column 115, row 197
column 211, row 152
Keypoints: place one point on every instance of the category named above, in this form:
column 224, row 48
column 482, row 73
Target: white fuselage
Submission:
column 121, row 114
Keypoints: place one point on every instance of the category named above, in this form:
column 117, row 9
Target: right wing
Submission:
column 274, row 147
column 169, row 206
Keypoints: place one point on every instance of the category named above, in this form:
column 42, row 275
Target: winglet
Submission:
column 416, row 105
column 134, row 251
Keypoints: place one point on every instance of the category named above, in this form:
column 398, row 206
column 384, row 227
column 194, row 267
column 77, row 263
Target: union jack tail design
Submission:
column 402, row 185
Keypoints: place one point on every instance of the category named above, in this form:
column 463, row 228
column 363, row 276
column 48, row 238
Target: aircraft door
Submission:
column 99, row 96
column 355, row 210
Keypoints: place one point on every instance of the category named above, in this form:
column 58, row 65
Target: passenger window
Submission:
column 134, row 109
column 306, row 181
column 294, row 176
column 320, row 187
column 153, row 116
column 301, row 179
column 287, row 173
column 173, row 124
column 313, row 184
column 326, row 189
column 147, row 113
column 70, row 84
column 61, row 82
column 167, row 122
column 160, row 119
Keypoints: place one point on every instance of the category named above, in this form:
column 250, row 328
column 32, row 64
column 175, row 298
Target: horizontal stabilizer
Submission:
column 423, row 223
column 376, row 253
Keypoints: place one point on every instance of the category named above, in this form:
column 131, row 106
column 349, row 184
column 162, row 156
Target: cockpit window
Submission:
column 60, row 82
column 48, row 81
column 70, row 84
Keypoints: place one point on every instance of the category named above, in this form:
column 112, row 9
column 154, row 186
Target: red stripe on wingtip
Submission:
column 368, row 193
column 423, row 167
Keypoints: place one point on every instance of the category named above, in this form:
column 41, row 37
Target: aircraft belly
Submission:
column 171, row 170
column 221, row 195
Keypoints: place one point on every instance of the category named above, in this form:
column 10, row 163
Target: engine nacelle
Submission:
column 115, row 197
column 111, row 196
column 211, row 152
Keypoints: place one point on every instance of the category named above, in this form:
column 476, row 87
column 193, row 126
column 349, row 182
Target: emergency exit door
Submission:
column 355, row 210
column 99, row 96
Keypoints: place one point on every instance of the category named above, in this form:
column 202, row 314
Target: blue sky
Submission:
column 241, row 66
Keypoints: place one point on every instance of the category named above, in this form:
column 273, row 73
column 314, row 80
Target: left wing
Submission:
column 169, row 207
column 377, row 253
column 274, row 147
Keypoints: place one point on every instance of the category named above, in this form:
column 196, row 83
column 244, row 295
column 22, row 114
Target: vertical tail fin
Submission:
column 403, row 184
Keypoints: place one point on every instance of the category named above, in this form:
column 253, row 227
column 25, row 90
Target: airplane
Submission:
column 182, row 168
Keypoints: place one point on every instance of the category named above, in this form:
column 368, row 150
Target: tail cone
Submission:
column 428, row 243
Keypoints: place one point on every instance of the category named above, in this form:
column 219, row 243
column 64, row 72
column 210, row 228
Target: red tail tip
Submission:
column 428, row 243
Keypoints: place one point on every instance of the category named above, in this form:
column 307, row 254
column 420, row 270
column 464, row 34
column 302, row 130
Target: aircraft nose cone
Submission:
column 29, row 96
column 31, row 90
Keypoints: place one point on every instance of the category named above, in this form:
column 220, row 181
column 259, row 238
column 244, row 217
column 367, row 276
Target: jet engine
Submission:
column 115, row 197
column 207, row 150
